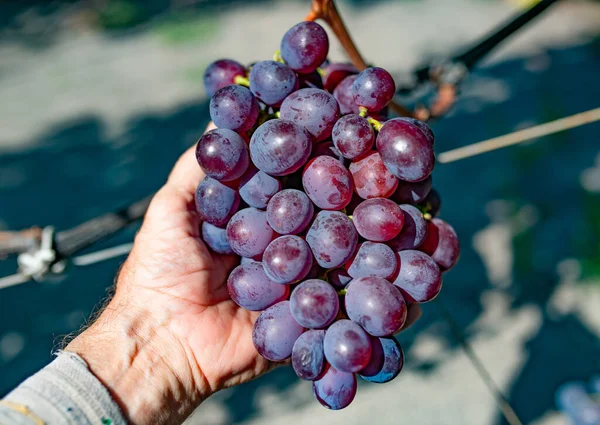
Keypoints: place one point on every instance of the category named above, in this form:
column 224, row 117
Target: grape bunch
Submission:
column 329, row 205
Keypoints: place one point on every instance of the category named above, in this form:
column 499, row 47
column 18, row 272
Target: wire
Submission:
column 520, row 136
column 12, row 280
column 102, row 255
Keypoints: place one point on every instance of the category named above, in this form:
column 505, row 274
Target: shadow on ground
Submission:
column 78, row 171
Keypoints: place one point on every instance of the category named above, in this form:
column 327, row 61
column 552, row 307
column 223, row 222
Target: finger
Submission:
column 186, row 173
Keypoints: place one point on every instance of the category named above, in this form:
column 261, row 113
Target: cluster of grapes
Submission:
column 328, row 204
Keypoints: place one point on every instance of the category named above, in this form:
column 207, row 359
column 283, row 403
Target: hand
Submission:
column 171, row 328
column 171, row 336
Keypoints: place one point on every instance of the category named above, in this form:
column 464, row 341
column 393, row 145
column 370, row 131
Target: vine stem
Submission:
column 327, row 11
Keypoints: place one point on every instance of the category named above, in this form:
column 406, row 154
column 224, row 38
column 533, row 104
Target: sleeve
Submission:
column 64, row 392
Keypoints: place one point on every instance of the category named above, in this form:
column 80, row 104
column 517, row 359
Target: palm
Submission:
column 183, row 279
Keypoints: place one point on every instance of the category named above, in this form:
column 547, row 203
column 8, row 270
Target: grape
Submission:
column 423, row 127
column 339, row 278
column 327, row 183
column 275, row 332
column 335, row 390
column 405, row 150
column 442, row 244
column 314, row 304
column 375, row 304
column 272, row 82
column 222, row 154
column 312, row 80
column 332, row 239
column 411, row 193
column 308, row 359
column 221, row 73
column 248, row 260
column 314, row 109
column 234, row 107
column 289, row 211
column 215, row 238
column 386, row 361
column 305, row 46
column 257, row 187
column 287, row 259
column 353, row 136
column 413, row 232
column 334, row 73
column 347, row 346
column 215, row 202
column 250, row 288
column 378, row 219
column 373, row 259
column 280, row 147
column 343, row 95
column 248, row 232
column 315, row 272
column 432, row 203
column 371, row 178
column 327, row 148
column 373, row 89
column 419, row 277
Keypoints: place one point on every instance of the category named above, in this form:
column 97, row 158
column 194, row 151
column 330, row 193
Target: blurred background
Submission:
column 99, row 97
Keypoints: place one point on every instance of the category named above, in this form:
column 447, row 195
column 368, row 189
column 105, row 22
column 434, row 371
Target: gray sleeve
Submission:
column 64, row 392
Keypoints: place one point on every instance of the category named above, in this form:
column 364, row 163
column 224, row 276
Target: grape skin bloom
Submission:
column 275, row 332
column 222, row 154
column 250, row 288
column 314, row 109
column 332, row 239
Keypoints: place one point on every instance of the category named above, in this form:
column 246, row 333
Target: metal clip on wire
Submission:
column 36, row 264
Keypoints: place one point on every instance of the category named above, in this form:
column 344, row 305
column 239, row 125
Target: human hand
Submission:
column 171, row 336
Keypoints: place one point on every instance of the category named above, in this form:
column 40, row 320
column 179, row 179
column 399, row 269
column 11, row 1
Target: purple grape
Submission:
column 378, row 219
column 308, row 359
column 327, row 148
column 222, row 73
column 335, row 390
column 335, row 73
column 332, row 239
column 371, row 178
column 431, row 204
column 423, row 127
column 275, row 332
column 412, row 193
column 215, row 238
column 287, row 259
column 289, row 211
column 234, row 107
column 339, row 278
column 305, row 46
column 419, row 277
column 314, row 109
column 373, row 259
column 280, row 147
column 386, row 361
column 312, row 80
column 314, row 304
column 353, row 136
column 272, row 82
column 248, row 232
column 248, row 260
column 215, row 202
column 373, row 89
column 413, row 231
column 405, row 150
column 347, row 346
column 257, row 187
column 343, row 95
column 327, row 183
column 250, row 288
column 376, row 305
column 442, row 244
column 222, row 154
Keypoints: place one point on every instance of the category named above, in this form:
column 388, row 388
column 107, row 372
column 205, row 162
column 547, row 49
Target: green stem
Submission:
column 277, row 57
column 242, row 81
column 342, row 292
column 363, row 111
column 376, row 124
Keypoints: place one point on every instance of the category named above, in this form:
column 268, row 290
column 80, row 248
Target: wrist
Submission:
column 146, row 370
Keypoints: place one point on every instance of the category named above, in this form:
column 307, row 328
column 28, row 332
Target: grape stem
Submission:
column 342, row 292
column 376, row 124
column 327, row 11
column 242, row 81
